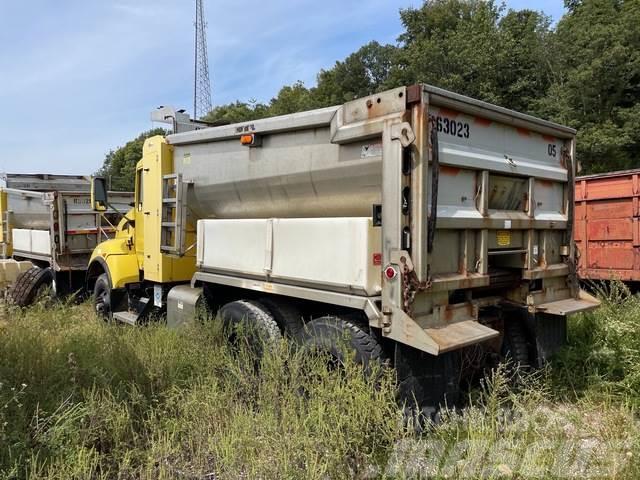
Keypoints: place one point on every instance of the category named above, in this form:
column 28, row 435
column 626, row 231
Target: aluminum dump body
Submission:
column 302, row 170
column 607, row 225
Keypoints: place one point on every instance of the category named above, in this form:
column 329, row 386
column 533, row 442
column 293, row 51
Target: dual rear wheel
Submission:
column 423, row 385
column 272, row 319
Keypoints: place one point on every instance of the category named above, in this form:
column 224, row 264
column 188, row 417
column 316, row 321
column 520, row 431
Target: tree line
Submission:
column 584, row 72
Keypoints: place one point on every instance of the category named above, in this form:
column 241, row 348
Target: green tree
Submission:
column 473, row 47
column 597, row 81
column 524, row 70
column 291, row 99
column 119, row 165
column 451, row 44
column 361, row 73
column 237, row 112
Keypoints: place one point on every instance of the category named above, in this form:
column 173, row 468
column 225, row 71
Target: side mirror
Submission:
column 98, row 194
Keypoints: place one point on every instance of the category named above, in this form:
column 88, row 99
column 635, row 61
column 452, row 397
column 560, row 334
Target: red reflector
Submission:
column 377, row 259
column 390, row 273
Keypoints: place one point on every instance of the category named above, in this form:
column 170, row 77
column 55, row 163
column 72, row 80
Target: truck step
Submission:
column 461, row 334
column 126, row 317
column 584, row 303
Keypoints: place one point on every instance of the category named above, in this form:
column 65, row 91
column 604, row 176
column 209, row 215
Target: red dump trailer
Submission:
column 607, row 225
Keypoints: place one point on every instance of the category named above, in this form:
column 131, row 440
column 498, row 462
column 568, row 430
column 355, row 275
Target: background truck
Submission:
column 607, row 226
column 49, row 221
column 427, row 227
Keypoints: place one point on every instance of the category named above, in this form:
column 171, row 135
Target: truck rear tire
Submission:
column 29, row 285
column 335, row 336
column 515, row 346
column 286, row 315
column 102, row 297
column 252, row 322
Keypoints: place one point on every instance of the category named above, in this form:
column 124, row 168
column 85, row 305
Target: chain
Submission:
column 411, row 286
column 572, row 278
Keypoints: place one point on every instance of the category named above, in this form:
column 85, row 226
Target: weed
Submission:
column 81, row 398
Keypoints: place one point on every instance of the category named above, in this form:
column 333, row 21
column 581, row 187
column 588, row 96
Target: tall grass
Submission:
column 83, row 399
column 89, row 400
column 602, row 360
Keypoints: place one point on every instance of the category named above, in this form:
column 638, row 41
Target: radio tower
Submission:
column 202, row 85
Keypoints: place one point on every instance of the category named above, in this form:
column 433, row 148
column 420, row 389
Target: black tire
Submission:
column 29, row 285
column 251, row 322
column 102, row 297
column 515, row 346
column 337, row 337
column 426, row 383
column 286, row 315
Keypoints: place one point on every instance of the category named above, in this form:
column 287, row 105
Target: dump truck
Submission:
column 424, row 226
column 48, row 222
column 607, row 228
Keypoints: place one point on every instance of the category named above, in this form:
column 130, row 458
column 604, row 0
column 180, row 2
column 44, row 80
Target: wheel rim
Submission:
column 102, row 303
column 40, row 292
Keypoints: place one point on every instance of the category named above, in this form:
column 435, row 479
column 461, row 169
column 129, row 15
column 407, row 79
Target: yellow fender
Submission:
column 117, row 259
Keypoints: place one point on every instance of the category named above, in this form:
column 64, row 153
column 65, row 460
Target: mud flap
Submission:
column 427, row 382
column 548, row 326
column 549, row 333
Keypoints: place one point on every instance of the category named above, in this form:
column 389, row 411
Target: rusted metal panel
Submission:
column 607, row 226
column 610, row 229
column 609, row 209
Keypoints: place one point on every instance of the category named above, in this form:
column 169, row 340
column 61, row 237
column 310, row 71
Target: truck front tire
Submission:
column 30, row 285
column 102, row 297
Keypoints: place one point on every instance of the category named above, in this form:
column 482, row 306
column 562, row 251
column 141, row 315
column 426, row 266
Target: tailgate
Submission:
column 81, row 226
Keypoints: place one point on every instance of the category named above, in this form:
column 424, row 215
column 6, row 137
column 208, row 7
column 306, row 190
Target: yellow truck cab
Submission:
column 124, row 273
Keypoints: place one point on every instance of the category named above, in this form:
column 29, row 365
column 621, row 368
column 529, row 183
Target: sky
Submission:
column 79, row 77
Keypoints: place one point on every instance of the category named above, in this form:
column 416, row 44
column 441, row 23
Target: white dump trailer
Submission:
column 421, row 221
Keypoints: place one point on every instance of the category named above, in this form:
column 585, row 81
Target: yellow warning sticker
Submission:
column 504, row 238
